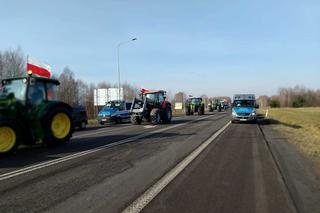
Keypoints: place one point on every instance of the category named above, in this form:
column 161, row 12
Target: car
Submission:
column 114, row 112
column 80, row 118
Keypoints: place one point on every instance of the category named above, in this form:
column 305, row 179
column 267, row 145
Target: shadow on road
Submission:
column 270, row 121
column 40, row 153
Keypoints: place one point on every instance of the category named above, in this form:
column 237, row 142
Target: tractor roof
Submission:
column 50, row 80
column 154, row 91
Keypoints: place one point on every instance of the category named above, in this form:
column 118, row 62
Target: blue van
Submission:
column 114, row 111
column 244, row 108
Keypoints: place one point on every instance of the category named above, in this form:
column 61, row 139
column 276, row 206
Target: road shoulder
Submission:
column 298, row 172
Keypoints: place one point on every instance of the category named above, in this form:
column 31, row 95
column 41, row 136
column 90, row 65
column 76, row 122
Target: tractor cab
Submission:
column 154, row 97
column 28, row 90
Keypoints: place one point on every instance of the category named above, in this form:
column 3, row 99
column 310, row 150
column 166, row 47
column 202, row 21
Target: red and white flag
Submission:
column 38, row 68
column 143, row 90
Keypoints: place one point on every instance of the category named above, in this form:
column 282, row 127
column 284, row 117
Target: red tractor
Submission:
column 152, row 107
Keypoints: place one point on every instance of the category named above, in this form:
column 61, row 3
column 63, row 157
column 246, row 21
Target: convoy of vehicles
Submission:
column 30, row 113
column 194, row 105
column 244, row 108
column 114, row 112
column 152, row 107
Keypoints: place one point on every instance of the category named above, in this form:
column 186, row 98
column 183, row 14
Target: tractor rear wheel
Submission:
column 10, row 137
column 187, row 110
column 201, row 110
column 135, row 120
column 155, row 116
column 168, row 115
column 57, row 126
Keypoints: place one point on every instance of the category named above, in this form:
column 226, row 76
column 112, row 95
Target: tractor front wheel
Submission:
column 58, row 126
column 155, row 116
column 135, row 120
column 10, row 137
column 187, row 110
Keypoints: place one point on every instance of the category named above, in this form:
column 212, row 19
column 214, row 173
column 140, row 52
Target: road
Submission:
column 106, row 169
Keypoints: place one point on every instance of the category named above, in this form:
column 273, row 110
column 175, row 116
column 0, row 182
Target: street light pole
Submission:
column 118, row 53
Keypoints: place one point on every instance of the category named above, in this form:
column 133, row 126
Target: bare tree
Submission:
column 12, row 63
column 67, row 91
column 129, row 91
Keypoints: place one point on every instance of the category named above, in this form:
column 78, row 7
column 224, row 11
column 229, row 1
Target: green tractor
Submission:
column 194, row 105
column 31, row 113
column 215, row 104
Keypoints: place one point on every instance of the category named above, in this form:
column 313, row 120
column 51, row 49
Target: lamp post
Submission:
column 118, row 52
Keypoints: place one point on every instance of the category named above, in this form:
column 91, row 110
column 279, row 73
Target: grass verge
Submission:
column 301, row 126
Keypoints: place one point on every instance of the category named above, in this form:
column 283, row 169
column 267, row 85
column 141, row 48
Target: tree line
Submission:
column 298, row 96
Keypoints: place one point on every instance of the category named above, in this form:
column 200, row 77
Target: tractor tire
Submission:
column 58, row 127
column 135, row 120
column 10, row 136
column 83, row 125
column 168, row 115
column 155, row 116
column 202, row 110
column 187, row 110
column 118, row 120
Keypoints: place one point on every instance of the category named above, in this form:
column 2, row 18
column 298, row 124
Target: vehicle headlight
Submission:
column 234, row 113
column 253, row 113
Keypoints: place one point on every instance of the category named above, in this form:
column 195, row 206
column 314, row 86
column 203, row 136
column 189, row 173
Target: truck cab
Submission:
column 244, row 108
column 114, row 111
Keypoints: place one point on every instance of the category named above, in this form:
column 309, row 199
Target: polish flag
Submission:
column 38, row 68
column 143, row 90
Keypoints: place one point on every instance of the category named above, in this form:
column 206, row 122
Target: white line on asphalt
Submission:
column 152, row 192
column 87, row 152
column 103, row 130
column 149, row 126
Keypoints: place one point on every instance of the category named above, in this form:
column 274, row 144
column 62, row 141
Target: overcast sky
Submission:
column 200, row 47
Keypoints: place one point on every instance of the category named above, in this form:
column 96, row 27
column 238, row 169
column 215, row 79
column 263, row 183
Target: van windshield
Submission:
column 244, row 103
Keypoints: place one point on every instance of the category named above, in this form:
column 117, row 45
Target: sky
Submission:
column 207, row 47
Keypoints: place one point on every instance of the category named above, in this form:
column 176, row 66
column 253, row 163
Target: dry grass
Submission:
column 301, row 126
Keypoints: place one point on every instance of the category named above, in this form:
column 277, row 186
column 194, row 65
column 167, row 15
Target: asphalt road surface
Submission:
column 106, row 169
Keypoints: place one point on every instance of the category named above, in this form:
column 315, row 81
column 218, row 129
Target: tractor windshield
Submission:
column 17, row 87
column 157, row 97
column 196, row 101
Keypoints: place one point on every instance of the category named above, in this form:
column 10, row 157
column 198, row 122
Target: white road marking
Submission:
column 149, row 126
column 103, row 130
column 87, row 152
column 152, row 192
